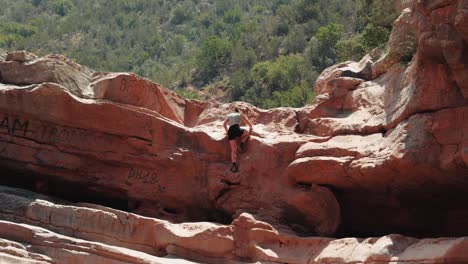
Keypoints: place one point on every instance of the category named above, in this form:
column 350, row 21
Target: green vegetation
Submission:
column 268, row 53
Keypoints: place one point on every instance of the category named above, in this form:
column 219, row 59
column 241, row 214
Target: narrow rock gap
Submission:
column 170, row 210
column 228, row 183
column 306, row 186
column 222, row 193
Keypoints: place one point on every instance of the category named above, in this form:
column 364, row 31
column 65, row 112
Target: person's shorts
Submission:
column 234, row 132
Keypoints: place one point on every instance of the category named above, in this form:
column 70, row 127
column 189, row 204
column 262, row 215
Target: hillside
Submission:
column 268, row 53
column 110, row 167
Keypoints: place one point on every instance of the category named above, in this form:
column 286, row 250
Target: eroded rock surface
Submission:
column 127, row 140
column 383, row 149
column 35, row 230
column 401, row 136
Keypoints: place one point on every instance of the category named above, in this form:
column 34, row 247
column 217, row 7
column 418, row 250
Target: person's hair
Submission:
column 236, row 110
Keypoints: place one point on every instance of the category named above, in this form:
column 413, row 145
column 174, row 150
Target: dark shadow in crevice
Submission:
column 421, row 213
column 412, row 214
column 13, row 174
column 172, row 211
column 69, row 191
column 297, row 221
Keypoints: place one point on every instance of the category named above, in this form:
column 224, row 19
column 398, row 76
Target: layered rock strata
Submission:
column 383, row 149
column 398, row 128
column 124, row 138
column 36, row 230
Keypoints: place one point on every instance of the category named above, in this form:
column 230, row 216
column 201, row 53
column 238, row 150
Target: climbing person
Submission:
column 234, row 132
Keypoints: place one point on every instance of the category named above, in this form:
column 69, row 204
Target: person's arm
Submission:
column 247, row 121
column 225, row 125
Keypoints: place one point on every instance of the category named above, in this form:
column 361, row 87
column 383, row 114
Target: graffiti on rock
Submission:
column 145, row 177
column 14, row 126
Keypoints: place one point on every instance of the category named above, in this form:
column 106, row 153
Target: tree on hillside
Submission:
column 62, row 7
column 322, row 45
column 264, row 52
column 375, row 20
column 214, row 55
column 277, row 79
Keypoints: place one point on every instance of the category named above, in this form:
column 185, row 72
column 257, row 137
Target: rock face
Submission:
column 383, row 149
column 124, row 138
column 105, row 235
column 143, row 154
column 399, row 137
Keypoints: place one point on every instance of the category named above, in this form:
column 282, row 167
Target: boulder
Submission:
column 401, row 44
column 20, row 56
column 52, row 68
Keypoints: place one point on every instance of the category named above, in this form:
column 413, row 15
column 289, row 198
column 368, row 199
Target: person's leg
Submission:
column 233, row 144
column 245, row 136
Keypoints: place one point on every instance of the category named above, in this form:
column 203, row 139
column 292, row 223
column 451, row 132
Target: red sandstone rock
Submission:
column 53, row 68
column 134, row 153
column 132, row 90
column 383, row 149
column 381, row 144
column 20, row 56
column 105, row 235
column 401, row 44
column 44, row 246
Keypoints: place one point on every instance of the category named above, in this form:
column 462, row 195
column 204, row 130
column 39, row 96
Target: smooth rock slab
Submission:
column 86, row 233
